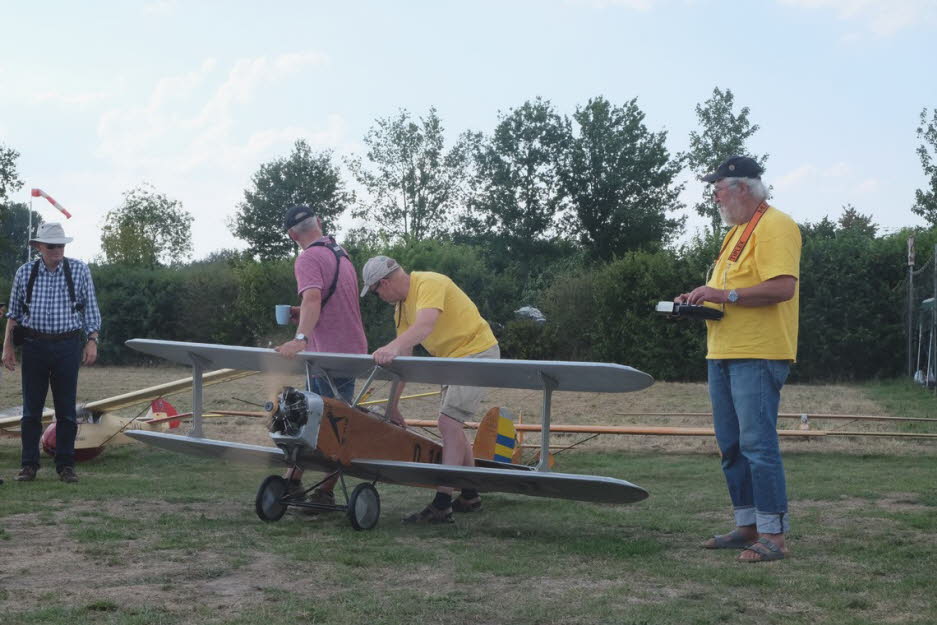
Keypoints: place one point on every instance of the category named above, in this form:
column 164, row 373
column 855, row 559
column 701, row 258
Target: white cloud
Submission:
column 882, row 17
column 795, row 178
column 161, row 131
column 198, row 136
column 837, row 170
column 69, row 99
column 635, row 5
column 160, row 7
column 869, row 185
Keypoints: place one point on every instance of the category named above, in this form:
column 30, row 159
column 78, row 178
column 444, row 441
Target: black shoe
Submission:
column 26, row 474
column 461, row 504
column 430, row 514
column 67, row 474
column 325, row 497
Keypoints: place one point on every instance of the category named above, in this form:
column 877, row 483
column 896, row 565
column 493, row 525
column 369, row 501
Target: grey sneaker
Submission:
column 26, row 474
column 67, row 474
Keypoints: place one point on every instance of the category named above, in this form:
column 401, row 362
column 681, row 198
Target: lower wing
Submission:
column 524, row 482
column 535, row 483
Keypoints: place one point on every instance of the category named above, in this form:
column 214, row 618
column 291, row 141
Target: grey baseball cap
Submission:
column 375, row 269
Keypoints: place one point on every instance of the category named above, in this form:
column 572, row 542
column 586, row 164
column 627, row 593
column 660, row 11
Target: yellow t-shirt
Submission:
column 768, row 332
column 459, row 330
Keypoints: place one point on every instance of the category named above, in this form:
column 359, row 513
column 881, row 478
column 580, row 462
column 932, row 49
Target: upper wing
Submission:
column 523, row 374
column 535, row 483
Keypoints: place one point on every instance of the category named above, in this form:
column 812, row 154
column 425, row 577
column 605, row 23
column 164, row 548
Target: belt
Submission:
column 43, row 336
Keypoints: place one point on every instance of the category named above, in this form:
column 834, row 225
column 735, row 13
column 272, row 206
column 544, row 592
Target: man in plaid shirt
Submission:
column 53, row 301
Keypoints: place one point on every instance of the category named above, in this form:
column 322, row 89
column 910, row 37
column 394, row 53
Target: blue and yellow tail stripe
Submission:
column 505, row 440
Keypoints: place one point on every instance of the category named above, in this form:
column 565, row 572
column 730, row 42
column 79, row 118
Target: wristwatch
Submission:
column 301, row 337
column 93, row 338
column 733, row 296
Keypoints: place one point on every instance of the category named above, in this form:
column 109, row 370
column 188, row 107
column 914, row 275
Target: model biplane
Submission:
column 325, row 434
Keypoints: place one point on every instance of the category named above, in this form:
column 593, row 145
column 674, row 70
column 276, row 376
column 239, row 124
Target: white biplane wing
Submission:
column 534, row 483
column 522, row 374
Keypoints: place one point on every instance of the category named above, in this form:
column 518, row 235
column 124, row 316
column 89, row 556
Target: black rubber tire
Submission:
column 364, row 507
column 268, row 504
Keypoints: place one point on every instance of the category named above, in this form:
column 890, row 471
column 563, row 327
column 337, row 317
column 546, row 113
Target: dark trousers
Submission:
column 55, row 363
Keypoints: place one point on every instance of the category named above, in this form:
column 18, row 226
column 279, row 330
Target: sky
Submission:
column 192, row 97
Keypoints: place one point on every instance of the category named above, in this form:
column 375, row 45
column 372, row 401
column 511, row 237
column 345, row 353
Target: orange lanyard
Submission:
column 746, row 234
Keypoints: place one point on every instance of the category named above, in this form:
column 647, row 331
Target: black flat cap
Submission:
column 735, row 167
column 296, row 214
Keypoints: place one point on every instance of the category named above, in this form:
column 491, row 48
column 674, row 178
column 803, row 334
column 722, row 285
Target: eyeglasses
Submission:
column 376, row 286
column 54, row 246
column 716, row 189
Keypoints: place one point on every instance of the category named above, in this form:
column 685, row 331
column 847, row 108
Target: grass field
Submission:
column 151, row 537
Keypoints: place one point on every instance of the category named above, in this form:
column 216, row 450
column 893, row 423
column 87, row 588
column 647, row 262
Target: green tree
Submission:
column 304, row 177
column 723, row 134
column 854, row 222
column 9, row 178
column 14, row 222
column 620, row 180
column 925, row 200
column 148, row 229
column 518, row 192
column 414, row 183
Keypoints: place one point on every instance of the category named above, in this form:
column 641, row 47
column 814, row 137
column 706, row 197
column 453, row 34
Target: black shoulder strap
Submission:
column 34, row 273
column 71, row 287
column 339, row 254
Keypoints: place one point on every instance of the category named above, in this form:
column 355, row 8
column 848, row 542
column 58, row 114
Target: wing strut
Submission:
column 199, row 364
column 549, row 384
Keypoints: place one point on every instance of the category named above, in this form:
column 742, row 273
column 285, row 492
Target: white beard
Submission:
column 730, row 213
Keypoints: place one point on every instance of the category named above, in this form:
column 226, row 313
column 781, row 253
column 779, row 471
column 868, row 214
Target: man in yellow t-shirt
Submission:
column 429, row 309
column 755, row 281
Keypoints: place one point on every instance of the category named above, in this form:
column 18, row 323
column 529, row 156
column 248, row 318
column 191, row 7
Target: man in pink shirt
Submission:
column 329, row 317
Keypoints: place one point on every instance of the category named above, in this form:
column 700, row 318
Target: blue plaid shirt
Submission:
column 51, row 310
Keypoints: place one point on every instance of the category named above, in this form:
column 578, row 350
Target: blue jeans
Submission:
column 345, row 386
column 745, row 394
column 45, row 363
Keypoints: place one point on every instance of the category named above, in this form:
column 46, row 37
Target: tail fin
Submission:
column 496, row 438
column 162, row 408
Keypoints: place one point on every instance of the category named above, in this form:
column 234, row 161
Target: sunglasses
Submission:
column 54, row 246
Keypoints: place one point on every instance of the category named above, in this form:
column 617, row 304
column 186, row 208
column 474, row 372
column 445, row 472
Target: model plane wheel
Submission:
column 364, row 507
column 270, row 495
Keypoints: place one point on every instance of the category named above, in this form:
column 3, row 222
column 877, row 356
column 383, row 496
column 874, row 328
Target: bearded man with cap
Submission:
column 52, row 303
column 328, row 317
column 429, row 309
column 755, row 281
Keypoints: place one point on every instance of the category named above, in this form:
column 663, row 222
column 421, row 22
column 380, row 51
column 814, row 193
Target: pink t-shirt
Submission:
column 339, row 329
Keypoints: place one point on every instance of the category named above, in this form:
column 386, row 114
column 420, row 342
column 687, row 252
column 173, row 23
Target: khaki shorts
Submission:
column 462, row 402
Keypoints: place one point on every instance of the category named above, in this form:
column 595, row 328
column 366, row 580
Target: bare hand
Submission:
column 294, row 314
column 291, row 348
column 90, row 353
column 702, row 294
column 385, row 355
column 9, row 358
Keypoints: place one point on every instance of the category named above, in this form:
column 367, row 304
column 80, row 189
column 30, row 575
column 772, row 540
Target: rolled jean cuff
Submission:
column 745, row 516
column 772, row 522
